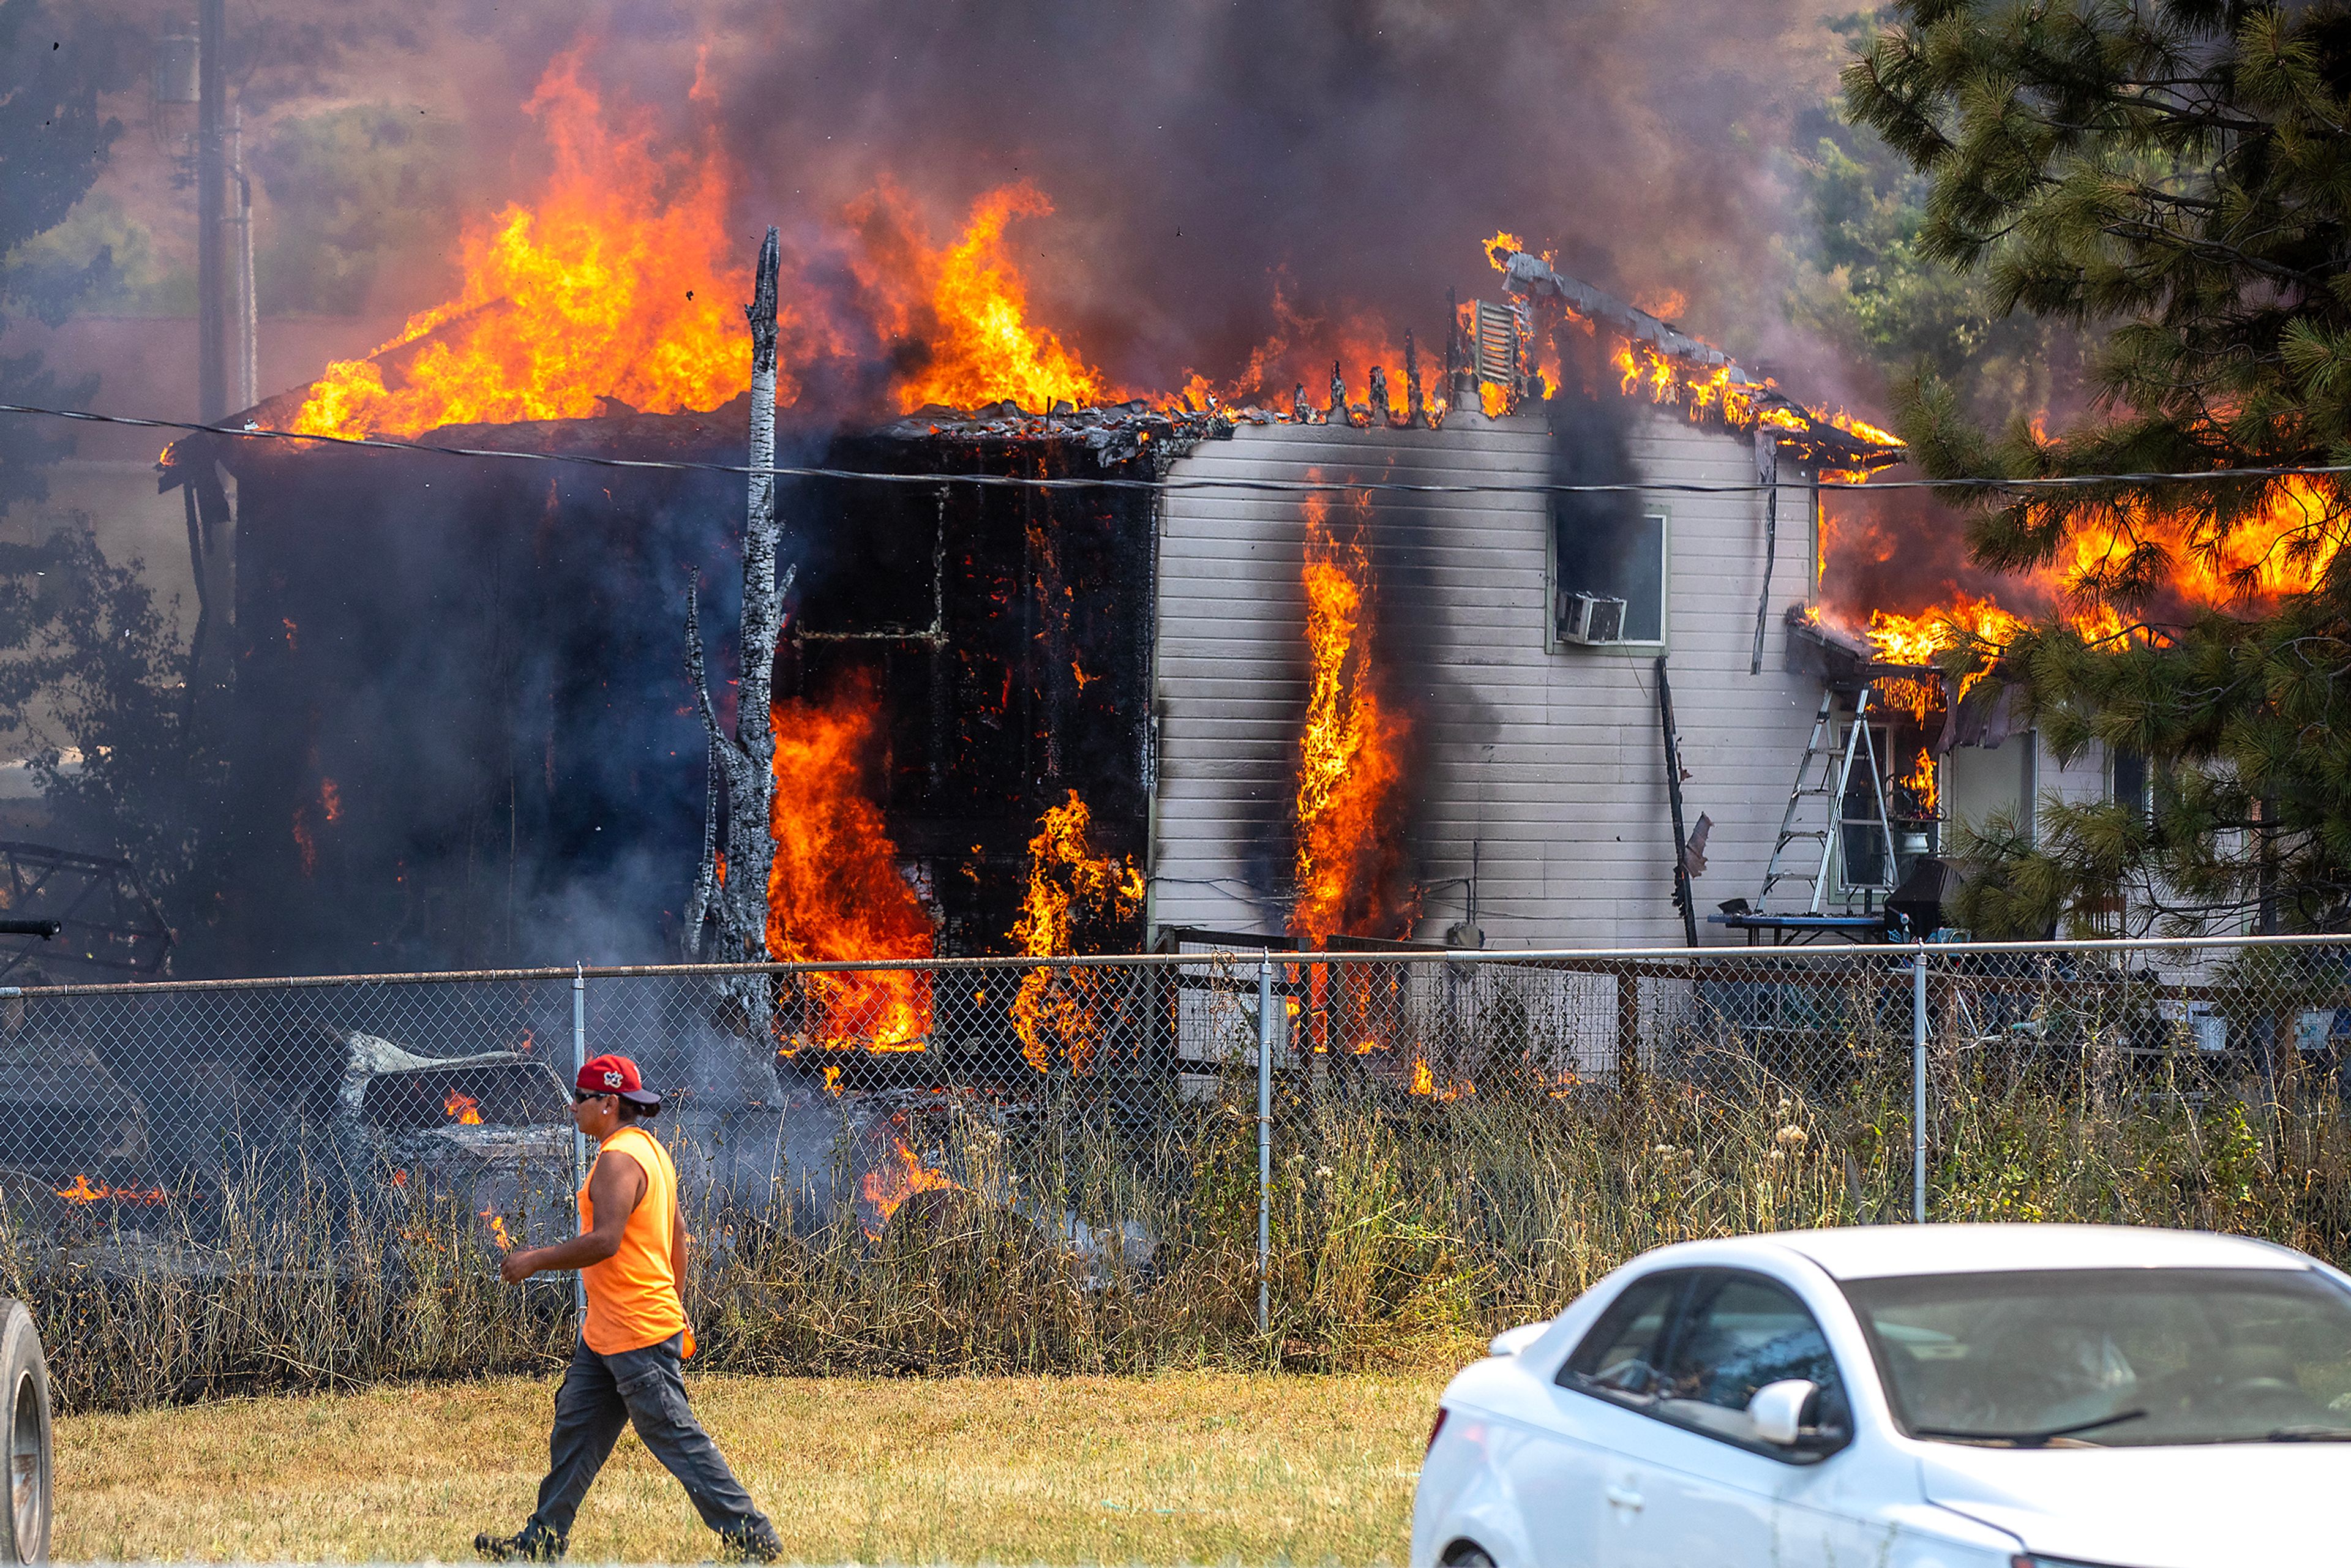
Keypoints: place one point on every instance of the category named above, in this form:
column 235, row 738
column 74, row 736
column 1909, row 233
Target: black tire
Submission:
column 25, row 1388
column 1466, row 1554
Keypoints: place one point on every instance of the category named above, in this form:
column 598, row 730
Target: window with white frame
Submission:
column 1611, row 575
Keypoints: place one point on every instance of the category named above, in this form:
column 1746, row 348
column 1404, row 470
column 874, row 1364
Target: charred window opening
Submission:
column 1612, row 579
column 1608, row 547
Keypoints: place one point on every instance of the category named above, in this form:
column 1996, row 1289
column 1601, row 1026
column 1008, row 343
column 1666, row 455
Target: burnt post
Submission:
column 1767, row 474
column 744, row 763
column 1416, row 412
column 212, row 402
column 1683, row 898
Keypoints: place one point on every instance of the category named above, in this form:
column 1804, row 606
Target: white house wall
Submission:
column 1548, row 761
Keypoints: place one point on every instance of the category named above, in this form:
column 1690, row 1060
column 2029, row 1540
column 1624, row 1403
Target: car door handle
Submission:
column 1623, row 1498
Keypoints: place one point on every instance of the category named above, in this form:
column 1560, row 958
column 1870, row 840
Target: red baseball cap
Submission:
column 610, row 1074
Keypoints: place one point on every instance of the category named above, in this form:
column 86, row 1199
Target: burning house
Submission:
column 1508, row 636
column 1388, row 665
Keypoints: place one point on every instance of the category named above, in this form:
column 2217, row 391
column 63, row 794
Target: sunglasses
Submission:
column 582, row 1096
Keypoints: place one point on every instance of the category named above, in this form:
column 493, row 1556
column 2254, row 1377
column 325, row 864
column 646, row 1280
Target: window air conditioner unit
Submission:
column 1590, row 619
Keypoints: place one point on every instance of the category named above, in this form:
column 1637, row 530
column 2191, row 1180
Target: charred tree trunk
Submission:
column 731, row 885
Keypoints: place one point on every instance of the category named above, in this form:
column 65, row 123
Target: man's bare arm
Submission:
column 677, row 1257
column 614, row 1189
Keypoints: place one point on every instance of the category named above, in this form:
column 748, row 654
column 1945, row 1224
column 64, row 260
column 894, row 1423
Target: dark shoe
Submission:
column 532, row 1544
column 751, row 1546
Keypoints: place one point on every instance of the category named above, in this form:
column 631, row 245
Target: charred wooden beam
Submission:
column 743, row 764
column 1767, row 474
column 1415, row 415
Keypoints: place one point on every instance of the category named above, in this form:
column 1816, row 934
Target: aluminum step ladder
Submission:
column 1834, row 766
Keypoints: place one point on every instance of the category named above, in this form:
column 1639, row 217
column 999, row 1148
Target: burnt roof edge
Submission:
column 1531, row 275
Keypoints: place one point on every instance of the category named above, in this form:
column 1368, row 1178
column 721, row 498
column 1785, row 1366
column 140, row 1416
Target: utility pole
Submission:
column 226, row 324
column 211, row 193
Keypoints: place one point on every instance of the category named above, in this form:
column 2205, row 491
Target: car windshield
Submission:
column 2113, row 1357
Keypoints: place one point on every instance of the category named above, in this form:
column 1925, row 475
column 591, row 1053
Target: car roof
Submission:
column 1879, row 1251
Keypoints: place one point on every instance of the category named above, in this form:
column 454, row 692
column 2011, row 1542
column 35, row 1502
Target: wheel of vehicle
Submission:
column 25, row 1383
column 1466, row 1554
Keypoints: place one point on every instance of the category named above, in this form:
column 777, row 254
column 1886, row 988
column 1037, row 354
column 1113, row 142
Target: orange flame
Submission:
column 1918, row 639
column 83, row 1193
column 1921, row 783
column 1301, row 351
column 967, row 307
column 2173, row 559
column 464, row 1107
column 835, row 892
column 621, row 281
column 1424, row 1083
column 899, row 1177
column 331, row 799
column 1350, row 853
column 306, row 844
column 1066, row 879
column 498, row 1229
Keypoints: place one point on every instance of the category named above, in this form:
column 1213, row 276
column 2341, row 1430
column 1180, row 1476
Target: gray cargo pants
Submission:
column 602, row 1394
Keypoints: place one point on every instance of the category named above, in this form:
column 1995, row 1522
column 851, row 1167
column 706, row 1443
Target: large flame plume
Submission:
column 2118, row 571
column 965, row 310
column 1069, row 883
column 621, row 280
column 835, row 892
column 1350, row 842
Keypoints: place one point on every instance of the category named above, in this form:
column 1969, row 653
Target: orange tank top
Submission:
column 633, row 1296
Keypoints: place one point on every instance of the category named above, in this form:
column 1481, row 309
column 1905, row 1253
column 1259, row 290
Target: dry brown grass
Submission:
column 1185, row 1466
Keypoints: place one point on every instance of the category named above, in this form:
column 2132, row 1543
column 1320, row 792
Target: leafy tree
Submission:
column 92, row 689
column 52, row 144
column 2169, row 177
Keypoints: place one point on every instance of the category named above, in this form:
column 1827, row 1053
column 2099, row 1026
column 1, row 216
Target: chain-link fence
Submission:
column 1111, row 1161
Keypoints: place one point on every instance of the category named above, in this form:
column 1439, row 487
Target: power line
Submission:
column 1261, row 487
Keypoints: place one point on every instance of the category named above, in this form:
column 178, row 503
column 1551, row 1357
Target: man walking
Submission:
column 631, row 1252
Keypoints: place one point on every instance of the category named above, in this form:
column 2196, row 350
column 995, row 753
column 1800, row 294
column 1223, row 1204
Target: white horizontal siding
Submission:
column 1549, row 762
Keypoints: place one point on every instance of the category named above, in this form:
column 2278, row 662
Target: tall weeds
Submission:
column 1084, row 1241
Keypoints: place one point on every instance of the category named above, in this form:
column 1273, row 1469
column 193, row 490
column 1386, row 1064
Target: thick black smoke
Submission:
column 1201, row 154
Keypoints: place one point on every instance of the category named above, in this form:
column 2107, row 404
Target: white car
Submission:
column 1911, row 1396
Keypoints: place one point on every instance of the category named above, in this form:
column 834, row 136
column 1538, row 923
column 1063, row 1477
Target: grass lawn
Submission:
column 1198, row 1467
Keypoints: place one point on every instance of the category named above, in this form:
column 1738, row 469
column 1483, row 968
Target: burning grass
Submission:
column 1184, row 1467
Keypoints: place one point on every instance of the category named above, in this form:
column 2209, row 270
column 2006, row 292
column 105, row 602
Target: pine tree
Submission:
column 2173, row 179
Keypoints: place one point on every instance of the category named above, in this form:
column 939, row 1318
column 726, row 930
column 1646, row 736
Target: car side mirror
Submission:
column 1778, row 1410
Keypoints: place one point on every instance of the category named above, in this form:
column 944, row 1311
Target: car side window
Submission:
column 1738, row 1333
column 1619, row 1356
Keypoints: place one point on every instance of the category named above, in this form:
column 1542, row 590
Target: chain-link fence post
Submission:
column 1264, row 1140
column 1919, row 1086
column 578, row 1139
